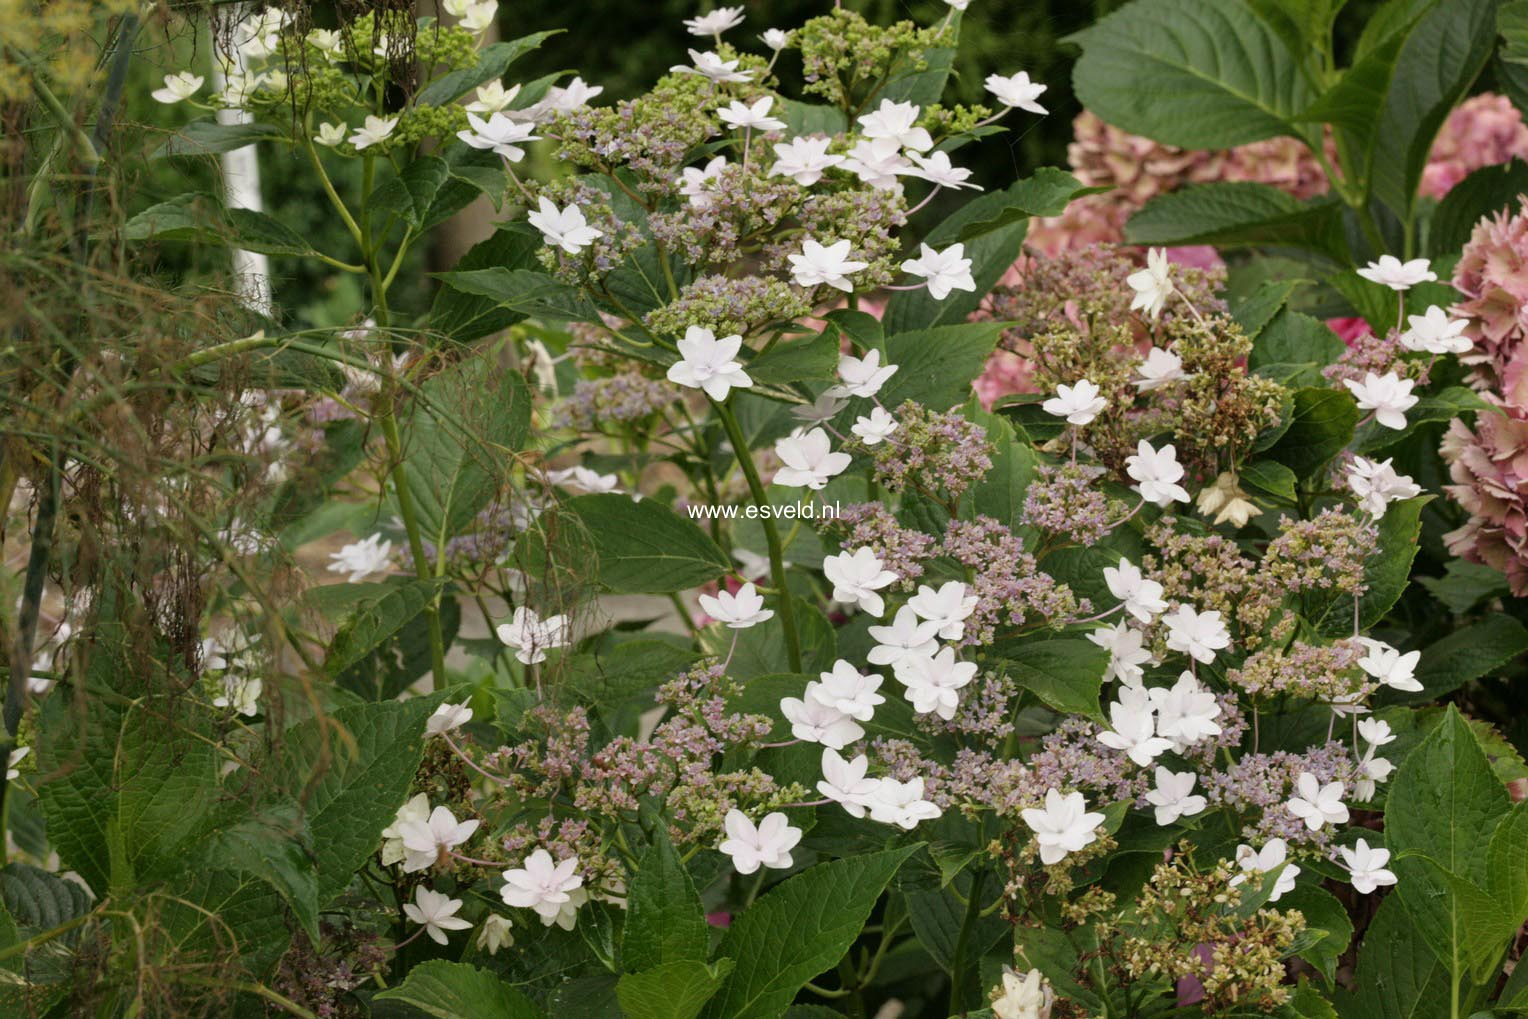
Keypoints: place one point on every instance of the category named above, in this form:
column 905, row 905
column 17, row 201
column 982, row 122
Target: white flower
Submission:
column 1142, row 597
column 1273, row 855
column 1391, row 272
column 178, row 87
column 373, row 132
column 1127, row 652
column 1366, row 866
column 1017, row 91
column 776, row 39
column 567, row 98
column 699, row 185
column 1371, row 771
column 416, row 809
column 878, row 162
column 1375, row 732
column 752, row 565
column 709, row 65
column 948, row 607
column 937, row 169
column 447, row 718
column 768, row 844
column 1153, row 285
column 1157, row 473
column 861, row 376
column 1064, row 826
column 874, row 428
column 809, row 461
column 327, row 41
column 824, row 408
column 15, row 757
column 493, row 98
column 856, row 577
column 437, row 912
column 901, row 803
column 480, row 16
column 531, row 636
column 1079, row 403
column 1197, row 634
column 709, row 364
column 1434, row 332
column 803, row 160
column 1160, row 368
column 1186, row 712
column 498, row 134
column 1227, row 500
column 563, row 228
column 1173, row 797
column 581, row 479
column 426, row 842
column 829, row 265
column 1389, row 396
column 1134, row 728
column 1376, row 485
column 716, row 22
column 906, row 637
column 1317, row 805
column 1390, row 667
column 897, row 122
column 945, row 270
column 848, row 691
column 330, row 135
column 1031, row 996
column 934, row 682
column 739, row 611
column 554, row 891
column 241, row 693
column 845, row 782
column 756, row 117
column 815, row 722
column 360, row 559
column 495, row 934
column 958, row 5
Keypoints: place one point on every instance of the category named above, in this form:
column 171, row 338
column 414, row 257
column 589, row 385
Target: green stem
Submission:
column 963, row 941
column 388, row 422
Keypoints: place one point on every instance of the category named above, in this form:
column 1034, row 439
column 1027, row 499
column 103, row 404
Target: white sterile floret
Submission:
column 809, row 460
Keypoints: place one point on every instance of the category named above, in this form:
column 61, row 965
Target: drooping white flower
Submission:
column 1435, row 332
column 1127, row 652
column 862, row 376
column 360, row 559
column 493, row 98
column 1134, row 728
column 563, row 228
column 1153, row 285
column 1376, row 484
column 767, row 844
column 1142, row 596
column 934, row 682
column 754, row 117
column 846, row 782
column 241, row 693
column 815, row 722
column 427, row 842
column 567, row 98
column 824, row 408
column 809, row 461
column 579, row 478
column 945, row 270
column 447, row 718
column 716, row 22
column 739, row 611
column 327, row 41
column 1274, row 854
column 1173, row 796
column 1029, row 996
column 906, row 637
column 857, row 577
column 1316, row 804
column 709, row 364
column 1186, row 712
column 1157, row 474
column 553, row 890
column 1371, row 771
column 1390, row 667
column 804, row 160
column 499, row 134
column 495, row 933
column 1375, row 732
column 532, row 637
column 1227, row 500
column 948, row 607
column 775, row 38
column 937, row 169
column 820, row 265
column 901, row 803
column 1160, row 368
column 1366, row 866
column 710, row 65
column 1389, row 396
column 1197, row 634
column 373, row 132
column 699, row 184
column 416, row 809
column 15, row 757
column 897, row 122
column 849, row 691
column 1391, row 272
column 1017, row 91
column 878, row 162
column 1079, row 403
column 178, row 87
column 330, row 135
column 1063, row 826
column 874, row 428
column 436, row 912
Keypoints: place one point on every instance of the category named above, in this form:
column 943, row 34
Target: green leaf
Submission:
column 802, row 360
column 935, row 367
column 1241, row 213
column 674, row 990
column 1000, row 493
column 1271, row 477
column 629, row 668
column 411, row 193
column 1487, row 191
column 255, row 231
column 1465, row 585
column 645, row 547
column 1388, row 570
column 463, row 316
column 274, row 846
column 812, row 118
column 1320, row 428
column 1066, row 674
column 33, row 902
column 797, row 930
column 1291, row 337
column 455, row 990
column 665, row 921
column 375, row 619
column 1047, row 193
column 1397, row 976
column 208, row 137
column 1466, row 655
column 1193, row 74
column 521, row 291
column 493, row 61
column 1323, row 913
column 1260, row 307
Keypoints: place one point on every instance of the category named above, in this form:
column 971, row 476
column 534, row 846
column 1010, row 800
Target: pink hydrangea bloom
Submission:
column 1489, row 470
column 1492, row 274
column 1484, row 130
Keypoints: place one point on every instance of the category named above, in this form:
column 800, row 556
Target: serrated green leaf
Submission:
column 1238, row 214
column 493, row 60
column 455, row 990
column 645, row 547
column 673, row 990
column 665, row 921
column 1066, row 674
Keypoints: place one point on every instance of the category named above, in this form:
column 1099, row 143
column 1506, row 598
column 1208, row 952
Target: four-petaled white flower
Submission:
column 820, row 265
column 1197, row 634
column 360, row 559
column 1317, row 805
column 241, row 693
column 775, row 38
column 553, row 890
column 499, row 134
column 1029, row 996
column 373, row 132
column 567, row 98
column 1375, row 732
column 493, row 98
column 1376, row 484
column 1157, row 473
column 178, row 87
column 447, row 718
column 815, row 722
column 1371, row 771
column 716, row 22
column 1160, row 368
column 327, row 41
column 1017, row 91
column 426, row 842
column 1142, row 597
column 532, row 637
column 739, row 611
column 753, row 117
column 897, row 122
column 1390, row 666
column 767, row 844
column 1366, row 866
column 1153, row 285
column 861, row 376
column 1079, row 403
column 937, row 169
column 874, row 428
column 709, row 65
column 878, row 162
column 846, row 782
column 1064, row 826
column 906, row 637
column 1388, row 396
column 563, row 228
column 901, row 803
column 857, row 577
column 804, row 160
column 495, row 933
column 1391, row 272
column 480, row 16
column 948, row 606
column 436, row 911
column 1434, row 332
column 934, row 682
column 579, row 478
column 709, row 364
column 1274, row 854
column 849, row 691
column 1186, row 712
column 1127, row 652
column 945, row 270
column 698, row 184
column 1173, row 796
column 809, row 460
column 1134, row 728
column 330, row 135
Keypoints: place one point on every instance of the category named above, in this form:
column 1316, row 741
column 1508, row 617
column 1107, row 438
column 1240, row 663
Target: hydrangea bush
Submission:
column 760, row 585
